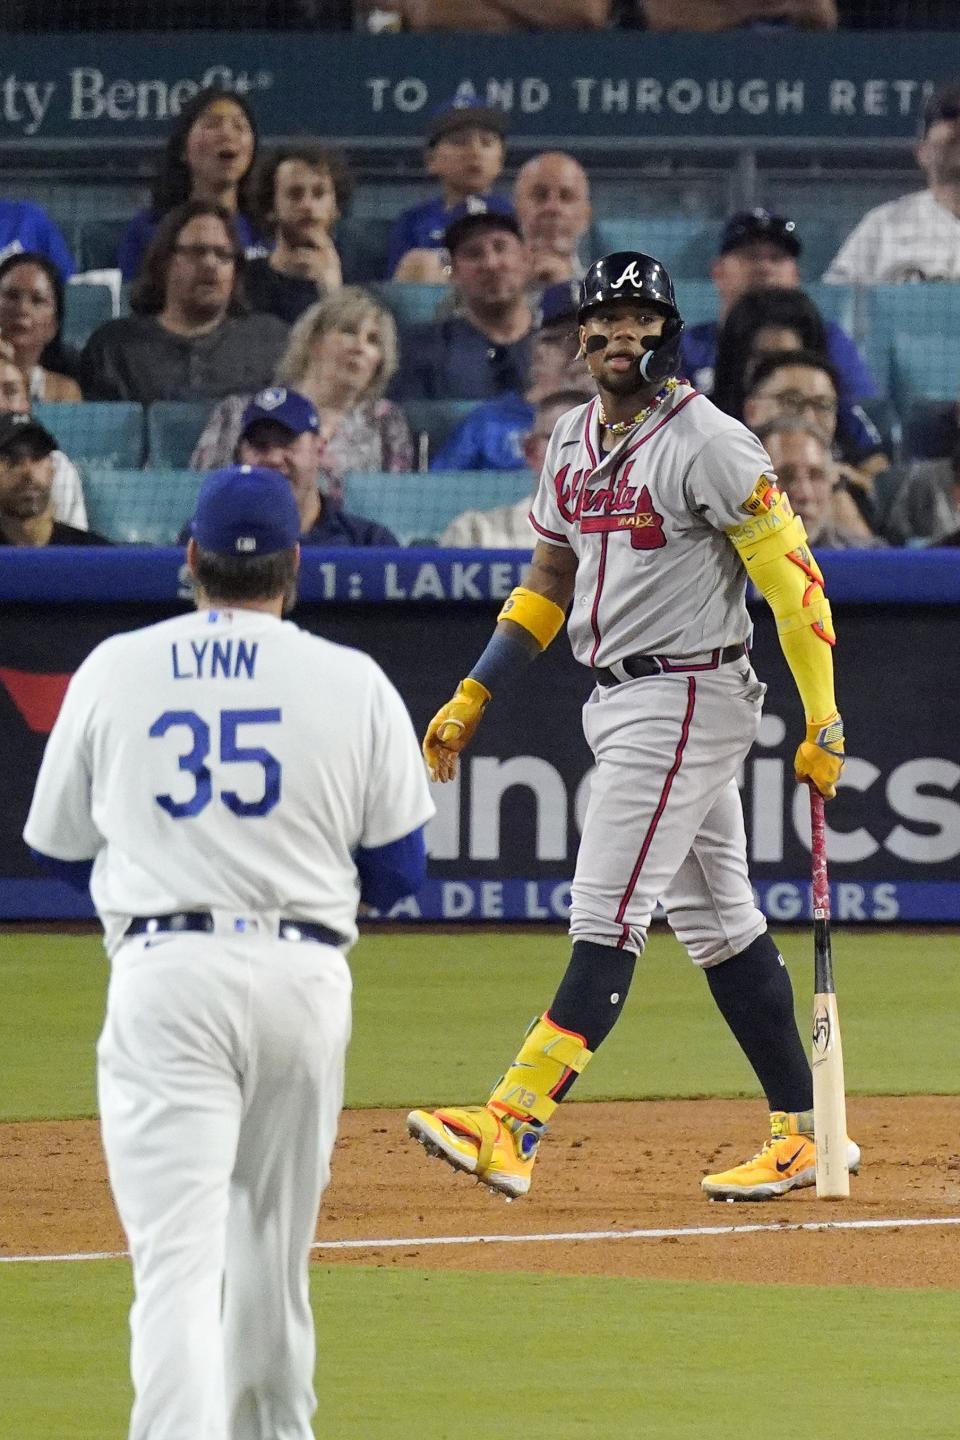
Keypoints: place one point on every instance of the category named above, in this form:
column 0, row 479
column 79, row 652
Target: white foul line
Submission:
column 418, row 1241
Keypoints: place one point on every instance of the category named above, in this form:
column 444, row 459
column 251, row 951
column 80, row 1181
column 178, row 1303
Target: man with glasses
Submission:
column 190, row 336
column 808, row 477
column 759, row 251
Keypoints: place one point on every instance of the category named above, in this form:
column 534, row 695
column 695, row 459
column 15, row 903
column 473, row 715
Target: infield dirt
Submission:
column 604, row 1167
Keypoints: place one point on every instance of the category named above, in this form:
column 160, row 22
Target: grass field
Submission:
column 430, row 1355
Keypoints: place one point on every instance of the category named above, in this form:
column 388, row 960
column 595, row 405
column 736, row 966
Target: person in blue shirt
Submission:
column 209, row 156
column 483, row 350
column 26, row 227
column 492, row 436
column 759, row 250
column 465, row 152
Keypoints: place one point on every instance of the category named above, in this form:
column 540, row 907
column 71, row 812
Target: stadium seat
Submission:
column 698, row 301
column 85, row 308
column 684, row 244
column 363, row 246
column 925, row 367
column 99, row 240
column 417, row 508
column 140, row 507
column 431, row 421
column 106, row 433
column 173, row 429
column 927, row 313
column 835, row 302
column 410, row 304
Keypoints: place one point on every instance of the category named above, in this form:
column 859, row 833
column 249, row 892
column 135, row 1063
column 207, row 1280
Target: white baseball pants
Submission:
column 664, row 819
column 220, row 1077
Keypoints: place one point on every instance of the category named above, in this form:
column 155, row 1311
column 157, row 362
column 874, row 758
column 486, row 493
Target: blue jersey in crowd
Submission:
column 489, row 438
column 453, row 360
column 423, row 227
column 25, row 226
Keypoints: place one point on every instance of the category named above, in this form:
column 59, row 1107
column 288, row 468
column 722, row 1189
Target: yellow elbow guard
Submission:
column 541, row 617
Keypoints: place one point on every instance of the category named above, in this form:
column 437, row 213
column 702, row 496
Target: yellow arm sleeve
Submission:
column 773, row 547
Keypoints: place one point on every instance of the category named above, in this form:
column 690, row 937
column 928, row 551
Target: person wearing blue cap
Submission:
column 465, row 151
column 230, row 787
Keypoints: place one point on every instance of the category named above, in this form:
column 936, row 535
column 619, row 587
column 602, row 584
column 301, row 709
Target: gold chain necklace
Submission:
column 620, row 427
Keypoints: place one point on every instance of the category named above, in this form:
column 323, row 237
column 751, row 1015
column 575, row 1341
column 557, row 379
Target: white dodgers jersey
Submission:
column 227, row 760
column 655, row 574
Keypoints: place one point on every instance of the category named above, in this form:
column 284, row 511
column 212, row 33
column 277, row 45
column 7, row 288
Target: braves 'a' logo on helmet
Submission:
column 630, row 273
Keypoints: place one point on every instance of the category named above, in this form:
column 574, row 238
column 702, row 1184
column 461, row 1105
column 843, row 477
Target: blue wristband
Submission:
column 507, row 653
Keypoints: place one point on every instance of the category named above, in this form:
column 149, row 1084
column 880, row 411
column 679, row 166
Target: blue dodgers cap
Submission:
column 246, row 510
column 559, row 304
column 479, row 212
column 749, row 225
column 464, row 114
column 284, row 407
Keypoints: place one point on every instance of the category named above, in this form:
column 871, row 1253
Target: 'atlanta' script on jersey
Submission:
column 616, row 506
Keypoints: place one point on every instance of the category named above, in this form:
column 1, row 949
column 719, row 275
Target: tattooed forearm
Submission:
column 552, row 572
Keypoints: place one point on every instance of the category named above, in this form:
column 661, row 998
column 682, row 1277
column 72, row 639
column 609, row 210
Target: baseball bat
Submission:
column 829, row 1101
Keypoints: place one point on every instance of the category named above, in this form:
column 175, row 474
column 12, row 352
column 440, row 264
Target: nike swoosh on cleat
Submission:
column 787, row 1163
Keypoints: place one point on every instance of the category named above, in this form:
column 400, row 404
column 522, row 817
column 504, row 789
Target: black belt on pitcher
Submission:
column 637, row 667
column 181, row 921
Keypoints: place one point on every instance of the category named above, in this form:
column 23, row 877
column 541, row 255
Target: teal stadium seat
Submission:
column 85, row 309
column 99, row 240
column 431, row 421
column 684, row 244
column 173, row 429
column 835, row 302
column 927, row 313
column 418, row 508
column 363, row 243
column 106, row 433
column 140, row 507
column 698, row 300
column 925, row 367
column 410, row 304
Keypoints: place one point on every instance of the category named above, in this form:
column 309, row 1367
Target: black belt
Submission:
column 202, row 921
column 636, row 667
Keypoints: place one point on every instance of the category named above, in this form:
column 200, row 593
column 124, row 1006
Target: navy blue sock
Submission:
column 755, row 997
column 591, row 995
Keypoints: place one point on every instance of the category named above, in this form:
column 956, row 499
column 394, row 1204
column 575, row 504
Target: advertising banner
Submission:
column 504, row 842
column 125, row 89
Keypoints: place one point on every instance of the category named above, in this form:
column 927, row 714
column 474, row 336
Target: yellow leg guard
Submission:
column 547, row 1058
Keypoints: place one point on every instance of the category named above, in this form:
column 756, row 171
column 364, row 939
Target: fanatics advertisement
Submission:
column 504, row 841
column 118, row 88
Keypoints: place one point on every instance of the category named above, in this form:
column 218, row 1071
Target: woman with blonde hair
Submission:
column 342, row 354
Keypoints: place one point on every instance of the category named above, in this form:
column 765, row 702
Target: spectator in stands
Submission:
column 26, row 227
column 807, row 473
column 190, row 335
column 209, row 156
column 488, row 16
column 484, row 349
column 299, row 195
column 342, row 354
column 918, row 236
column 759, row 251
column 552, row 199
column 492, row 436
column 764, row 322
column 713, row 15
column 802, row 383
column 927, row 505
column 66, row 492
column 280, row 429
column 508, row 526
column 31, row 317
column 26, row 488
column 465, row 152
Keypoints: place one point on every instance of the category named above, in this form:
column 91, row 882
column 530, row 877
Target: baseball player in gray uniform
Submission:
column 652, row 509
column 238, row 785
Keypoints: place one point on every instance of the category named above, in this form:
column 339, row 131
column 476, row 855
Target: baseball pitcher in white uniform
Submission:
column 239, row 785
column 652, row 510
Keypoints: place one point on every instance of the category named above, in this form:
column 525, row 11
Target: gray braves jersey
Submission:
column 227, row 759
column 655, row 573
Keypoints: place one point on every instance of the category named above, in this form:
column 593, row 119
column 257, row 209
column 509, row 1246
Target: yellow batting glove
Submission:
column 819, row 759
column 453, row 727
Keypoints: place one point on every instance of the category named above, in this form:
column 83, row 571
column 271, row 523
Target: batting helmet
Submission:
column 626, row 275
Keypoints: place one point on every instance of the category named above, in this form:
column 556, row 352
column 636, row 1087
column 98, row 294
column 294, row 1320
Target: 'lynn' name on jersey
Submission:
column 212, row 659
